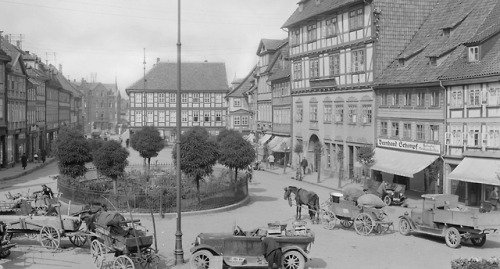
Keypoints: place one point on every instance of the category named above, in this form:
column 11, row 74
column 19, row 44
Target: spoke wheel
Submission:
column 4, row 253
column 452, row 237
column 97, row 253
column 123, row 262
column 78, row 240
column 387, row 200
column 293, row 260
column 200, row 259
column 328, row 219
column 479, row 242
column 346, row 223
column 149, row 259
column 50, row 237
column 364, row 224
column 404, row 227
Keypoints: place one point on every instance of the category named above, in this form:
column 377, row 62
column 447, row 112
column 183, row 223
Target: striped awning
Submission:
column 284, row 145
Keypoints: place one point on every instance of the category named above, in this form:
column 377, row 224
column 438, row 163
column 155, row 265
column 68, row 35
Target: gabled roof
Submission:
column 270, row 45
column 200, row 76
column 243, row 87
column 66, row 85
column 311, row 9
column 280, row 69
column 490, row 27
column 14, row 53
column 430, row 41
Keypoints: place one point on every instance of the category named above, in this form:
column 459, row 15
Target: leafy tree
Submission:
column 199, row 154
column 147, row 142
column 235, row 152
column 111, row 160
column 95, row 144
column 223, row 134
column 299, row 148
column 72, row 152
column 365, row 157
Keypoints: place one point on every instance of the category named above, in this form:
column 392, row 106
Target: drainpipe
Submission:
column 445, row 127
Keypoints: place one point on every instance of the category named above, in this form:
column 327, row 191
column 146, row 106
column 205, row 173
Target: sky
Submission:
column 106, row 40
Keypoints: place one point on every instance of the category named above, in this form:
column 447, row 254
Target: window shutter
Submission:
column 447, row 140
column 484, row 140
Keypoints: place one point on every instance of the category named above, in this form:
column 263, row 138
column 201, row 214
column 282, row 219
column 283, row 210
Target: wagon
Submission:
column 364, row 218
column 126, row 239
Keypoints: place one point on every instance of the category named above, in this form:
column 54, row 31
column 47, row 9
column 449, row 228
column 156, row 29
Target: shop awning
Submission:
column 285, row 141
column 264, row 139
column 477, row 170
column 275, row 141
column 401, row 162
column 250, row 138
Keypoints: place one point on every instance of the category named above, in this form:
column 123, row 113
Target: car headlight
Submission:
column 197, row 241
column 308, row 248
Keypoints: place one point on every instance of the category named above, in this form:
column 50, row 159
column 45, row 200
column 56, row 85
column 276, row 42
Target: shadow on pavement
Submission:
column 259, row 198
column 316, row 263
column 257, row 189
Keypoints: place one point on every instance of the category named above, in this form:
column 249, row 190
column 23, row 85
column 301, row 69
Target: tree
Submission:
column 95, row 144
column 299, row 148
column 147, row 142
column 235, row 152
column 72, row 152
column 199, row 154
column 111, row 160
column 365, row 157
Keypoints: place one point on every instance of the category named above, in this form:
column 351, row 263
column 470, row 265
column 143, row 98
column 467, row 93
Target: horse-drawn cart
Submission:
column 364, row 218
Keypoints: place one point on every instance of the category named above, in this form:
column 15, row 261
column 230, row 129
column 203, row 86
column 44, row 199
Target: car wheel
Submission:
column 201, row 259
column 479, row 242
column 293, row 260
column 387, row 200
column 452, row 237
column 404, row 227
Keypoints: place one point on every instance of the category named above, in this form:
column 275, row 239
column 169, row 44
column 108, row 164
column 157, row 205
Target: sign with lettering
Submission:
column 409, row 145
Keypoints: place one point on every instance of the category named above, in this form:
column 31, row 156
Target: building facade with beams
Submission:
column 337, row 49
column 153, row 99
column 472, row 138
column 4, row 59
column 239, row 115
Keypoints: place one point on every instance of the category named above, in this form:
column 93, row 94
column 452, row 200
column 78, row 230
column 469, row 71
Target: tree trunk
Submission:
column 235, row 180
column 198, row 189
column 115, row 183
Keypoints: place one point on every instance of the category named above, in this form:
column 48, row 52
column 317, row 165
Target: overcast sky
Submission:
column 108, row 37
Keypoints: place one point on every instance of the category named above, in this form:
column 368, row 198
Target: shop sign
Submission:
column 408, row 145
column 22, row 136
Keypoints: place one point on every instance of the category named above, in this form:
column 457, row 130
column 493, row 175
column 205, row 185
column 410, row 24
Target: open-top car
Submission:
column 241, row 249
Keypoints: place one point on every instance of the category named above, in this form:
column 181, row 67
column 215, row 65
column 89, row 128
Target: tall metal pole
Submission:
column 179, row 253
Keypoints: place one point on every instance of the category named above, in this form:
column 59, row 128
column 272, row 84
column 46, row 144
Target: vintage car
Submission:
column 441, row 215
column 243, row 249
column 394, row 194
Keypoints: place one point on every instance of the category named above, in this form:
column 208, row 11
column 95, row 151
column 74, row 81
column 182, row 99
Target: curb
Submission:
column 308, row 182
column 29, row 171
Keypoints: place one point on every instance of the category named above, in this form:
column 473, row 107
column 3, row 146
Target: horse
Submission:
column 304, row 197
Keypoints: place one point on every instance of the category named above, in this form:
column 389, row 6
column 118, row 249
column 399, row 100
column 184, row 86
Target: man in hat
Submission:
column 24, row 161
column 271, row 251
column 47, row 194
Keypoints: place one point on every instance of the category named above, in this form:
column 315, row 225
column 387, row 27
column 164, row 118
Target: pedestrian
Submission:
column 24, row 161
column 43, row 154
column 304, row 164
column 382, row 190
column 494, row 198
column 271, row 251
column 35, row 157
column 249, row 173
column 270, row 159
column 127, row 142
column 47, row 194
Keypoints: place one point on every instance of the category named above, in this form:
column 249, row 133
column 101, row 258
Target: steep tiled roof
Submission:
column 430, row 41
column 490, row 27
column 280, row 69
column 270, row 45
column 312, row 9
column 195, row 77
column 244, row 86
column 66, row 85
column 276, row 55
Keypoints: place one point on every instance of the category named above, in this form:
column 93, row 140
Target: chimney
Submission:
column 60, row 69
column 19, row 44
column 158, row 60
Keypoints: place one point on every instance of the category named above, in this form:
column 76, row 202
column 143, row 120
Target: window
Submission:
column 358, row 61
column 384, row 97
column 367, row 114
column 456, row 98
column 493, row 135
column 457, row 135
column 150, row 98
column 184, row 98
column 184, row 116
column 295, row 37
column 218, row 116
column 161, row 116
column 353, row 113
column 407, row 99
column 331, row 27
column 420, row 98
column 297, row 70
column 206, row 116
column 434, row 99
column 473, row 136
column 299, row 112
column 473, row 54
column 407, row 130
column 150, row 116
column 196, row 97
column 313, row 111
column 314, row 68
column 356, row 19
column 161, row 98
column 334, row 65
column 474, row 96
column 339, row 113
column 434, row 129
column 395, row 129
column 173, row 116
column 311, row 33
column 218, row 98
column 383, row 128
column 244, row 120
column 328, row 155
column 196, row 116
column 420, row 132
column 494, row 96
column 327, row 113
column 395, row 99
column 236, row 120
column 172, row 98
column 237, row 102
column 138, row 117
column 206, row 98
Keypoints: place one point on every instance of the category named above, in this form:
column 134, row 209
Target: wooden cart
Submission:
column 364, row 218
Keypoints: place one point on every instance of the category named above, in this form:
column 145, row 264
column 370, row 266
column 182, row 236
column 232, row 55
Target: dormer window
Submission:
column 318, row 2
column 446, row 32
column 433, row 60
column 474, row 54
column 401, row 62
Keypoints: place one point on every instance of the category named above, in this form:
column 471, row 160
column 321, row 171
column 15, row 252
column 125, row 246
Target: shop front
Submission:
column 406, row 163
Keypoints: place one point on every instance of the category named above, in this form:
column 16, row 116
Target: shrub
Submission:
column 475, row 263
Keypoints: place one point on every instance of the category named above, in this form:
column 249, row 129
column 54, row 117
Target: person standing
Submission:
column 127, row 142
column 270, row 159
column 494, row 198
column 272, row 252
column 43, row 155
column 24, row 161
column 304, row 164
column 382, row 190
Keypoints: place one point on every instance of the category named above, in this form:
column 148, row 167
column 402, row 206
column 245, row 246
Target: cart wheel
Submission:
column 149, row 259
column 479, row 242
column 293, row 260
column 404, row 227
column 200, row 259
column 78, row 240
column 347, row 223
column 97, row 253
column 364, row 224
column 50, row 237
column 452, row 237
column 328, row 219
column 387, row 200
column 4, row 253
column 123, row 262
